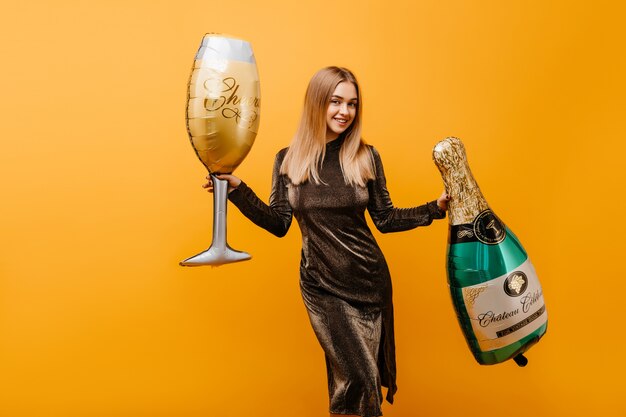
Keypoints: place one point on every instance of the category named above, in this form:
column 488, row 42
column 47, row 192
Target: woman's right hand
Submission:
column 443, row 200
column 233, row 182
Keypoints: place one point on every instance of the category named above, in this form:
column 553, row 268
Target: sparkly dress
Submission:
column 345, row 282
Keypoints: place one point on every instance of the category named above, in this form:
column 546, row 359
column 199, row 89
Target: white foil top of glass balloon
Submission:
column 219, row 48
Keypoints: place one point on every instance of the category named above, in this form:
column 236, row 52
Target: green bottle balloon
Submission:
column 494, row 287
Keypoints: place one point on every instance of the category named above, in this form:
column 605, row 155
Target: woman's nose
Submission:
column 343, row 109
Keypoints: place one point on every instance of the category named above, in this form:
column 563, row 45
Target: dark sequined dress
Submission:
column 344, row 278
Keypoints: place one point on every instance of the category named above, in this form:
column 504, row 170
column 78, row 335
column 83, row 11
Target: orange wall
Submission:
column 101, row 198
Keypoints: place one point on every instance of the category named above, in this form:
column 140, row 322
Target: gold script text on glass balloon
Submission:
column 222, row 95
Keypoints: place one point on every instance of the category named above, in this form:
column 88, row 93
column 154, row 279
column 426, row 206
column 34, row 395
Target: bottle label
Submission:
column 487, row 228
column 506, row 309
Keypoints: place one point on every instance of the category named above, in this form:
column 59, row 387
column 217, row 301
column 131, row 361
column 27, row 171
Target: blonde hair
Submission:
column 307, row 150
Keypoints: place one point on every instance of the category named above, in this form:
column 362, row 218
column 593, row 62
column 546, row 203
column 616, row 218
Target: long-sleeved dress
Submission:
column 345, row 282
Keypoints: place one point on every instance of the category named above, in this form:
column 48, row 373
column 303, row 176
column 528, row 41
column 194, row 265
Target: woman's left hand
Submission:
column 442, row 202
column 233, row 182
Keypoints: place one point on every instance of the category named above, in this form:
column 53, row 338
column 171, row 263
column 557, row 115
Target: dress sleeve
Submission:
column 275, row 218
column 388, row 218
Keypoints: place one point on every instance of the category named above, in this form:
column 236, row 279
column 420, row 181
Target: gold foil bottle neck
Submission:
column 467, row 201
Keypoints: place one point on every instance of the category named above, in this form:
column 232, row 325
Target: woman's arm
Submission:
column 275, row 217
column 388, row 218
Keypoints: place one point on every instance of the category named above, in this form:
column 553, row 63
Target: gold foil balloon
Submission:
column 495, row 290
column 223, row 103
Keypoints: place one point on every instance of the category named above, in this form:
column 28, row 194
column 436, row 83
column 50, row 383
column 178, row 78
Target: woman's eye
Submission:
column 352, row 104
column 334, row 101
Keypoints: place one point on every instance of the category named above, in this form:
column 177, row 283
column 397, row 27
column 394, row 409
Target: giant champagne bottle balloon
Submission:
column 494, row 287
column 222, row 121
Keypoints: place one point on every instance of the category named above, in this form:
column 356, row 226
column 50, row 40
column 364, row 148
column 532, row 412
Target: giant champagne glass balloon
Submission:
column 494, row 287
column 222, row 121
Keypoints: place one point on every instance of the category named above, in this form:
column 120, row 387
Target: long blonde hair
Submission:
column 307, row 150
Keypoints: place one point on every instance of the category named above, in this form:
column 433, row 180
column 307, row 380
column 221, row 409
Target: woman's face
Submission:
column 341, row 110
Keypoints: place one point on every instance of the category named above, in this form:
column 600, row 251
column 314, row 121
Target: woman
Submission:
column 327, row 178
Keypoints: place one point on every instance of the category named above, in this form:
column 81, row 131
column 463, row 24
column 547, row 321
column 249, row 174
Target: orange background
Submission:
column 101, row 198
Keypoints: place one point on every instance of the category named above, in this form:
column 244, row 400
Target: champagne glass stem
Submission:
column 220, row 201
column 219, row 253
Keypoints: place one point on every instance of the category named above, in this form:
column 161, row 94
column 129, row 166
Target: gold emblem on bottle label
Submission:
column 516, row 284
column 488, row 228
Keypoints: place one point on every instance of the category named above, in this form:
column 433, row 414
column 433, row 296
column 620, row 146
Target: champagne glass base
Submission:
column 216, row 256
